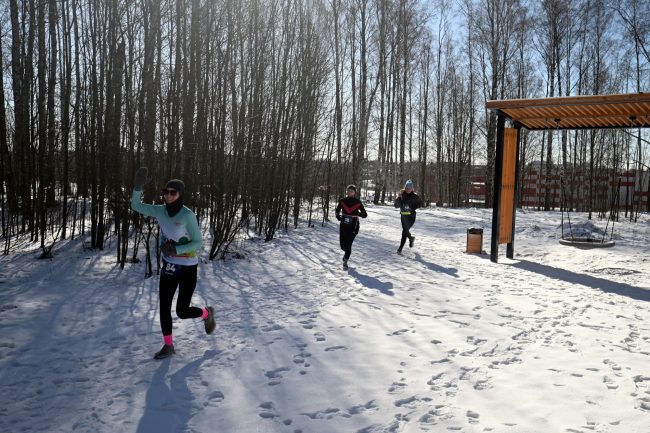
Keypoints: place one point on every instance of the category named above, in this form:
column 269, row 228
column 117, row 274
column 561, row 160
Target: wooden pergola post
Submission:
column 510, row 250
column 496, row 185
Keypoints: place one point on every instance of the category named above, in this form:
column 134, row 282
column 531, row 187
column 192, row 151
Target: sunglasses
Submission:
column 170, row 192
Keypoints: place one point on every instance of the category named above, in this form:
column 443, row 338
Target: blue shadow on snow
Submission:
column 453, row 272
column 168, row 406
column 373, row 283
column 607, row 286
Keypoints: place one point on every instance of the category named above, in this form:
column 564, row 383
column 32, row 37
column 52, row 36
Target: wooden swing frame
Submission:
column 563, row 113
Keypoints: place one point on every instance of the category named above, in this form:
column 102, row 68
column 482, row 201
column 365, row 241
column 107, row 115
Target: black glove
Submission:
column 168, row 249
column 141, row 177
column 338, row 217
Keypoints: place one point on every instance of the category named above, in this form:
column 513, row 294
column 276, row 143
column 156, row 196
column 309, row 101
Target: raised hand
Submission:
column 141, row 178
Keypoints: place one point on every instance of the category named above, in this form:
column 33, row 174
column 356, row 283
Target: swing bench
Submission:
column 586, row 243
column 578, row 240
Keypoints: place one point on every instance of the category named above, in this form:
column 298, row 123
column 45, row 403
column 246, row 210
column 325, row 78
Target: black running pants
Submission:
column 347, row 234
column 171, row 278
column 407, row 223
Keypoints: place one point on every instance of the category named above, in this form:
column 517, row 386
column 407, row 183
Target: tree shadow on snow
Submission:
column 168, row 406
column 373, row 283
column 453, row 272
column 607, row 286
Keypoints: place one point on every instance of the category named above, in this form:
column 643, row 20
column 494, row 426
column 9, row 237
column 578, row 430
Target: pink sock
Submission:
column 168, row 340
column 205, row 313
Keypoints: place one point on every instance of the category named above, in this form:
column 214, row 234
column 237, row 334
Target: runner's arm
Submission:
column 195, row 236
column 145, row 209
column 362, row 211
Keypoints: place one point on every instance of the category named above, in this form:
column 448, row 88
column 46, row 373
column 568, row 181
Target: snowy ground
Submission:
column 436, row 340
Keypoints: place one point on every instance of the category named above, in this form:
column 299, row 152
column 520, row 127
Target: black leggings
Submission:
column 347, row 234
column 185, row 278
column 407, row 223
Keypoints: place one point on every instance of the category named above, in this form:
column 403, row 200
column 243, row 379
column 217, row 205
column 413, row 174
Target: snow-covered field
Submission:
column 436, row 340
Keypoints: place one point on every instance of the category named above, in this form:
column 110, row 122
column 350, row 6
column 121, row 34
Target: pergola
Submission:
column 570, row 112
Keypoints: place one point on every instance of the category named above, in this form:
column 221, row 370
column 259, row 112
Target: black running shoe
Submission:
column 209, row 321
column 345, row 263
column 411, row 241
column 165, row 352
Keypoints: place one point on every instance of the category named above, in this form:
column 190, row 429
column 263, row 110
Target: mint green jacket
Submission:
column 182, row 229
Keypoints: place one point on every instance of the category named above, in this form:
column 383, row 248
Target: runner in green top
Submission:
column 180, row 238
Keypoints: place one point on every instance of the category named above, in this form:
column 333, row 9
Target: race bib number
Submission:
column 171, row 269
column 348, row 220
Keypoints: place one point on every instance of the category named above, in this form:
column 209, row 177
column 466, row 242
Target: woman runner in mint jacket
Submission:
column 180, row 238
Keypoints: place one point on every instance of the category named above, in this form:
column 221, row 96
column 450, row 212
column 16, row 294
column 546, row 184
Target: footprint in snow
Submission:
column 396, row 387
column 214, row 397
column 271, row 327
column 614, row 366
column 307, row 324
column 332, row 412
column 409, row 402
column 274, row 376
column 473, row 417
column 507, row 361
column 475, row 340
column 334, row 348
column 301, row 357
column 469, row 352
column 641, row 382
column 268, row 410
column 482, row 384
column 328, row 413
column 439, row 383
column 355, row 410
column 434, row 415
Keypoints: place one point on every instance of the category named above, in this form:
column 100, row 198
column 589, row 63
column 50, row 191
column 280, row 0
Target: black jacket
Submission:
column 350, row 207
column 408, row 203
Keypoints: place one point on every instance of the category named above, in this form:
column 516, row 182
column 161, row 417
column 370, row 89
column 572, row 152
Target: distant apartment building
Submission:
column 632, row 193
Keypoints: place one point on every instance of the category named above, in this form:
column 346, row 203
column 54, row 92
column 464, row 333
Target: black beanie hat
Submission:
column 177, row 205
column 178, row 185
column 352, row 187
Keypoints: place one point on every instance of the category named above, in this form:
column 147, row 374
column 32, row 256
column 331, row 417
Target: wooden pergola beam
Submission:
column 577, row 112
column 630, row 98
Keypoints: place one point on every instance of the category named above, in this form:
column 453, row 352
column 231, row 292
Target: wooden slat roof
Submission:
column 578, row 112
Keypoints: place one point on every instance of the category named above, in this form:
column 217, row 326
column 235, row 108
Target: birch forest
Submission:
column 267, row 109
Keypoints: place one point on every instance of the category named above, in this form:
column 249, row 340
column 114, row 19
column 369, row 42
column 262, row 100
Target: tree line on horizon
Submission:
column 267, row 109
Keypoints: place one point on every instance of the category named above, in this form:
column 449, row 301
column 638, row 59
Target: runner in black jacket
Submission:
column 407, row 201
column 348, row 212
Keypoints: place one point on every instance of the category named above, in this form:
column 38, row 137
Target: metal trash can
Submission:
column 474, row 241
